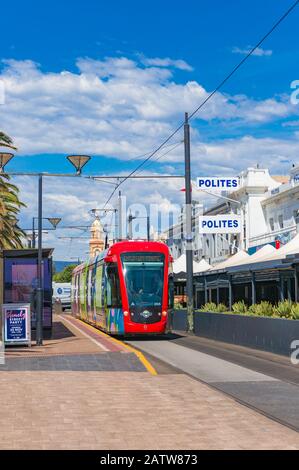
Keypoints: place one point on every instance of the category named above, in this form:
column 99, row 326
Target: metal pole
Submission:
column 120, row 236
column 189, row 253
column 130, row 231
column 33, row 233
column 148, row 228
column 230, row 293
column 39, row 291
column 242, row 234
column 296, row 283
column 253, row 288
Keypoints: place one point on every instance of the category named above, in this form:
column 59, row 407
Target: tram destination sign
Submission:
column 226, row 223
column 143, row 257
column 17, row 325
column 217, row 184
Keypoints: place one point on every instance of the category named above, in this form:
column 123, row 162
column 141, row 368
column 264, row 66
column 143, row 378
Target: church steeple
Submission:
column 96, row 243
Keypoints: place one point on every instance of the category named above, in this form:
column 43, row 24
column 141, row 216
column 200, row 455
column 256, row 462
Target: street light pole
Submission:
column 148, row 228
column 39, row 290
column 189, row 251
column 33, row 233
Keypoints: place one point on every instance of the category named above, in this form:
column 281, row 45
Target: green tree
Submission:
column 65, row 275
column 6, row 141
column 11, row 235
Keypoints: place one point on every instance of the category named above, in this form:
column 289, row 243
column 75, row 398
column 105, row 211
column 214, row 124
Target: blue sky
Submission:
column 203, row 33
column 112, row 79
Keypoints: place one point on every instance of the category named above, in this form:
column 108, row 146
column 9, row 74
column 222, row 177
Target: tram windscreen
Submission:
column 143, row 274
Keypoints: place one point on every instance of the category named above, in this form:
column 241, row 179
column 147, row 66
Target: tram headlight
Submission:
column 126, row 313
column 164, row 313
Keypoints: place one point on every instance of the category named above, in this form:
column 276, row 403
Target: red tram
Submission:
column 126, row 289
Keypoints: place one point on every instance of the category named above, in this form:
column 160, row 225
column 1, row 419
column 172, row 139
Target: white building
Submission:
column 253, row 187
column 269, row 211
column 174, row 235
column 281, row 212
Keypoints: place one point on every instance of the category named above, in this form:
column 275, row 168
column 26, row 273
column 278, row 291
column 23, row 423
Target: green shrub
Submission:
column 263, row 309
column 221, row 308
column 240, row 307
column 295, row 312
column 283, row 309
column 212, row 307
column 209, row 307
column 178, row 306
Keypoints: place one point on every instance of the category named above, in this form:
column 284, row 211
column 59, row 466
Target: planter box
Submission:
column 268, row 334
column 179, row 320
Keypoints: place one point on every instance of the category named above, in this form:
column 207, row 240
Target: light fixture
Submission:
column 54, row 221
column 78, row 161
column 4, row 159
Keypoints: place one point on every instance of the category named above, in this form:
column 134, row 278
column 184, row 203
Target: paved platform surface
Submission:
column 125, row 410
column 276, row 398
column 62, row 397
column 74, row 346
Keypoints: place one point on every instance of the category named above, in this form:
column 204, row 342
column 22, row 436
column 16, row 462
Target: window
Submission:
column 113, row 288
column 271, row 223
column 144, row 276
column 280, row 221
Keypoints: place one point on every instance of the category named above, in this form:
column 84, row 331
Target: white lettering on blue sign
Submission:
column 218, row 184
column 227, row 223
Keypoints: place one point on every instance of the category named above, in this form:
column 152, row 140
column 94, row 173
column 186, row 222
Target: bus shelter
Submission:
column 18, row 282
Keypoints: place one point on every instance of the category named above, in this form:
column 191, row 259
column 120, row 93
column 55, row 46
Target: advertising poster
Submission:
column 16, row 322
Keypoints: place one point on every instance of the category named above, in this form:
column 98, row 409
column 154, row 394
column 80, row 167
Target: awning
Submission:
column 179, row 266
column 232, row 261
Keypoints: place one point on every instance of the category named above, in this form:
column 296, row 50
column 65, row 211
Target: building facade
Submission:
column 269, row 210
column 281, row 213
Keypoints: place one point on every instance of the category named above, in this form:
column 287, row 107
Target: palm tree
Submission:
column 10, row 234
column 6, row 141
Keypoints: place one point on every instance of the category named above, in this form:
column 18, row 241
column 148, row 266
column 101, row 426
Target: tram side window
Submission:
column 113, row 287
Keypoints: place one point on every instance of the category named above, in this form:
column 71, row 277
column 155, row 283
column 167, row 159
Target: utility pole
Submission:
column 189, row 237
column 148, row 228
column 130, row 231
column 120, row 236
column 33, row 234
column 39, row 290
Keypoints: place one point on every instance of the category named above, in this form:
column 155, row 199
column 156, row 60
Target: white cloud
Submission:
column 294, row 123
column 167, row 62
column 120, row 107
column 259, row 51
column 113, row 107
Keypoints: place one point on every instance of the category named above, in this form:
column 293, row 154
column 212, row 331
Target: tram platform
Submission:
column 73, row 346
column 83, row 390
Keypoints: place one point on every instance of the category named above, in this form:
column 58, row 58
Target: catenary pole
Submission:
column 39, row 290
column 188, row 235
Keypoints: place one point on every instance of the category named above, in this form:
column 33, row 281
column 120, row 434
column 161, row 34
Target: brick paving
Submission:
column 68, row 339
column 109, row 361
column 61, row 398
column 125, row 410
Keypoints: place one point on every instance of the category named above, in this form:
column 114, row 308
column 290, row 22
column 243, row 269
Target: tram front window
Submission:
column 144, row 278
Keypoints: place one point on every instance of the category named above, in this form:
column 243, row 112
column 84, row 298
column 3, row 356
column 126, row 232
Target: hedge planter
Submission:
column 268, row 334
